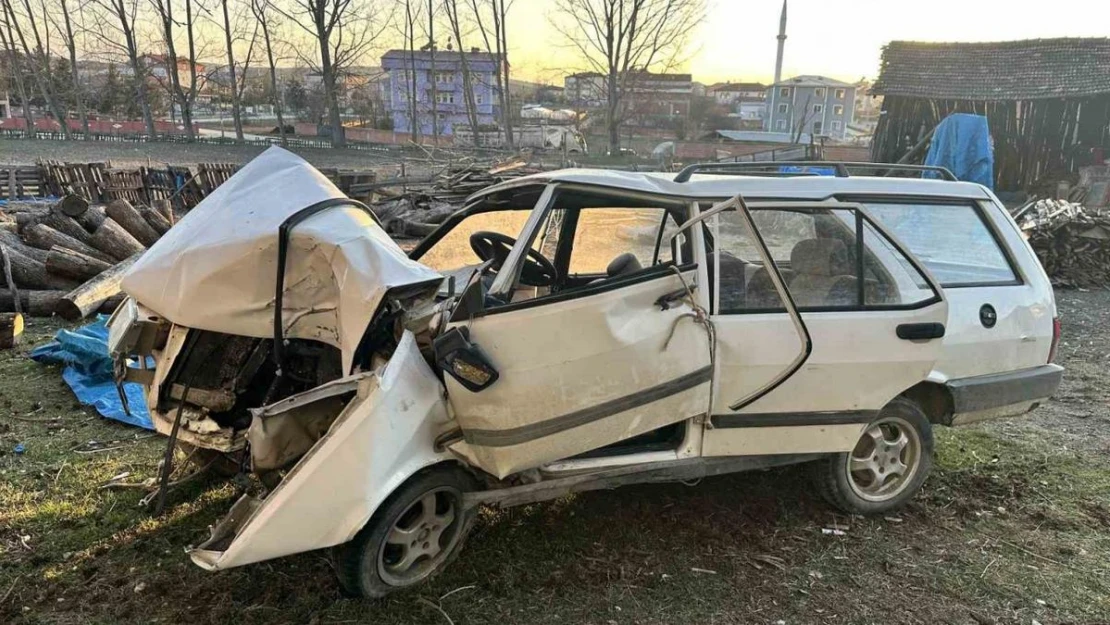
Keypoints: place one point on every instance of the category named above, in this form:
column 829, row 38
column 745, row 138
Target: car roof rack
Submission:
column 840, row 168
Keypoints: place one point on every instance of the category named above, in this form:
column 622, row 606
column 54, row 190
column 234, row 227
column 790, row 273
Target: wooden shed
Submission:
column 1047, row 102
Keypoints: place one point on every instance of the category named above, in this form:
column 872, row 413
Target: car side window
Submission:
column 823, row 262
column 951, row 240
column 453, row 250
column 605, row 236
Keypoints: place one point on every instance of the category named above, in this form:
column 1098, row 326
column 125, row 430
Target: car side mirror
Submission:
column 459, row 358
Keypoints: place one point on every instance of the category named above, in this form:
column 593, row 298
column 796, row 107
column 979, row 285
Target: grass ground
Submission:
column 1012, row 527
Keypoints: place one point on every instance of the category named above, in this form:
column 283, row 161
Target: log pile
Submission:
column 410, row 208
column 68, row 258
column 1071, row 241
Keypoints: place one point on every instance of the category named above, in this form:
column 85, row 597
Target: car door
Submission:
column 584, row 367
column 872, row 321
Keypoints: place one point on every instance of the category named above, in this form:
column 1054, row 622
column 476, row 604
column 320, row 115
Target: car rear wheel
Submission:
column 416, row 533
column 886, row 467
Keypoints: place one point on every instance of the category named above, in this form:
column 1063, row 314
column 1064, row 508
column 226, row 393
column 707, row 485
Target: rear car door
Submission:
column 594, row 363
column 873, row 320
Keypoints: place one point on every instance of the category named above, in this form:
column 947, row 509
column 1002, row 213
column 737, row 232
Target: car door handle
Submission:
column 920, row 331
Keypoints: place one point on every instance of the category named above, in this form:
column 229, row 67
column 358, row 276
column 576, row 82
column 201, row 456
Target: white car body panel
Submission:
column 384, row 436
column 559, row 359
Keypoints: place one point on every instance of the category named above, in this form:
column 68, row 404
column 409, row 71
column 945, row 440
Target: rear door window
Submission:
column 821, row 256
column 951, row 240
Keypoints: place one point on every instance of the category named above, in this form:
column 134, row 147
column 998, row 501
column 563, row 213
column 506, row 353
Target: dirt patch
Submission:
column 1010, row 528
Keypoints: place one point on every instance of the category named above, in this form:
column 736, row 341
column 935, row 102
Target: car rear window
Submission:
column 950, row 239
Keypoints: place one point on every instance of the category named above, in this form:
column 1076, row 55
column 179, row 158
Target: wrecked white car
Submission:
column 569, row 331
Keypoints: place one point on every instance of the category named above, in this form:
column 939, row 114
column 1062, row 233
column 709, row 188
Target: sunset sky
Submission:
column 841, row 39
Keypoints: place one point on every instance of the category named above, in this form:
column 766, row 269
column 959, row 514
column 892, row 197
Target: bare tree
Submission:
column 16, row 68
column 343, row 32
column 183, row 96
column 38, row 57
column 236, row 112
column 115, row 27
column 70, row 39
column 264, row 17
column 622, row 39
column 497, row 30
column 412, row 96
column 451, row 7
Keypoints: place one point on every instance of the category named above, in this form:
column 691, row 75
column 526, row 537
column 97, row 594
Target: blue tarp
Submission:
column 89, row 372
column 962, row 143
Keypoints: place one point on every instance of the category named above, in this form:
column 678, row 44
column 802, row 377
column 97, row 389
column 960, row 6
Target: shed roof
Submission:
column 1007, row 70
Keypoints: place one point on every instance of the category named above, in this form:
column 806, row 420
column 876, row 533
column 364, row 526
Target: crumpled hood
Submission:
column 217, row 269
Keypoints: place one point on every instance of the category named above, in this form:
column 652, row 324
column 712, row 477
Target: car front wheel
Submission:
column 415, row 534
column 887, row 466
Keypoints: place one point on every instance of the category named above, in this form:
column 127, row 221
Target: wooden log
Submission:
column 166, row 208
column 122, row 212
column 12, row 240
column 91, row 219
column 90, row 296
column 34, row 303
column 111, row 239
column 29, row 273
column 156, row 219
column 72, row 205
column 112, row 303
column 26, row 219
column 67, row 226
column 11, row 329
column 44, row 237
column 6, row 265
column 70, row 264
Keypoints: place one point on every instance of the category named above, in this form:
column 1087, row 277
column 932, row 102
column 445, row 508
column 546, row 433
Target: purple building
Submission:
column 447, row 79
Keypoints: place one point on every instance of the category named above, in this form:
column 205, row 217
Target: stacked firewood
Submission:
column 1072, row 241
column 68, row 258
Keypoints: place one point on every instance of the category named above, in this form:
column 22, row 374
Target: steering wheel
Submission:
column 494, row 246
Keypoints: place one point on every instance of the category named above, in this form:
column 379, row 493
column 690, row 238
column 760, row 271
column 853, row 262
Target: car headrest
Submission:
column 625, row 263
column 820, row 257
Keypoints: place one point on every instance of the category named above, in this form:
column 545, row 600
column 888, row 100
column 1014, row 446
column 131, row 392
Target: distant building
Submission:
column 445, row 81
column 5, row 105
column 157, row 65
column 655, row 100
column 731, row 94
column 816, row 105
column 586, row 89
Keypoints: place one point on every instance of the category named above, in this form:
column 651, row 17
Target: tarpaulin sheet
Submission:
column 88, row 373
column 962, row 143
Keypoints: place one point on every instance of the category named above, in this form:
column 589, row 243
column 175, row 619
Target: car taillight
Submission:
column 1055, row 339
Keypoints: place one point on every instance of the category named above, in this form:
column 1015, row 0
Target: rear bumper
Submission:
column 1002, row 394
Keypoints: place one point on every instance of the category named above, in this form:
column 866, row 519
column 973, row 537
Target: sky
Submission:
column 839, row 38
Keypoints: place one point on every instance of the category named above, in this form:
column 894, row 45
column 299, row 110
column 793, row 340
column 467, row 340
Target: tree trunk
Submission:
column 132, row 221
column 113, row 240
column 612, row 114
column 75, row 265
column 78, row 93
column 41, row 82
column 91, row 219
column 11, row 240
column 28, row 273
column 87, row 298
column 156, row 219
column 67, row 226
column 165, row 207
column 274, row 88
column 33, row 303
column 44, row 237
column 72, row 205
column 235, row 112
column 11, row 329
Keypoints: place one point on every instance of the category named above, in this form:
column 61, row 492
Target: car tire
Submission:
column 373, row 564
column 887, row 466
